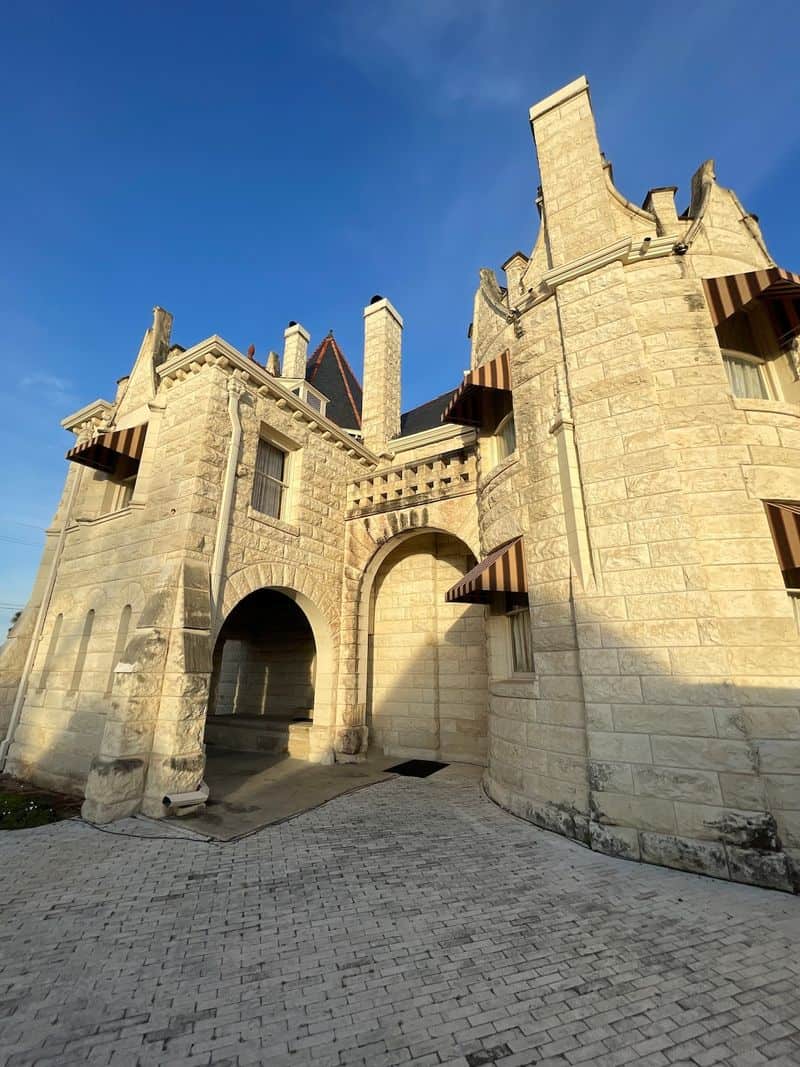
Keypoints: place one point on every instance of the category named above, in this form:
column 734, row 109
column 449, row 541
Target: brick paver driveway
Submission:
column 412, row 922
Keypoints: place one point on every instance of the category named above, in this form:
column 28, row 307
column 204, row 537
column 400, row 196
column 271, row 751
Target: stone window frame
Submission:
column 494, row 453
column 292, row 465
column 768, row 380
column 502, row 451
column 117, row 493
column 519, row 613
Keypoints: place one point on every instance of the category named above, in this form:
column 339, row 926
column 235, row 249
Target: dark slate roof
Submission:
column 328, row 370
column 424, row 417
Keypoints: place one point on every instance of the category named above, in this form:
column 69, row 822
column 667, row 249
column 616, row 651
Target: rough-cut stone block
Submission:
column 686, row 854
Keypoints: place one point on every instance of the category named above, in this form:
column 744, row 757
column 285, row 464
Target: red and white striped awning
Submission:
column 784, row 523
column 104, row 452
column 778, row 287
column 483, row 397
column 502, row 571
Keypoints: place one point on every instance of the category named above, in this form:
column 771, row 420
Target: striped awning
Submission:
column 502, row 571
column 779, row 288
column 108, row 451
column 483, row 397
column 784, row 524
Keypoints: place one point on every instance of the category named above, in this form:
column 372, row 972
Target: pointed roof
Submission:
column 328, row 370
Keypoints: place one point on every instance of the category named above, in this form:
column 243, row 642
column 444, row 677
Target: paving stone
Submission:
column 410, row 923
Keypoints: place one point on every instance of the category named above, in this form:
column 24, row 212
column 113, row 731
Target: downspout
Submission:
column 235, row 390
column 36, row 636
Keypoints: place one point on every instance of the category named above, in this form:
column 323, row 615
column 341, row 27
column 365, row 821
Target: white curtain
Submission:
column 746, row 378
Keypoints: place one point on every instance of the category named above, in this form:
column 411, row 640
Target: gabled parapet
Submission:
column 142, row 383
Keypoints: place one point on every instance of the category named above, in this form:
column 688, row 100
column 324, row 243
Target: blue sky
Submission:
column 250, row 163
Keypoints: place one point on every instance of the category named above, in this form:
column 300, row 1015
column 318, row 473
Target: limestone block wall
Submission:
column 428, row 686
column 537, row 762
column 673, row 649
column 304, row 549
column 14, row 650
column 110, row 562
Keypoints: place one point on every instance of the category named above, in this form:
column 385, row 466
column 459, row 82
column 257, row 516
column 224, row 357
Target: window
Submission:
column 506, row 438
column 784, row 523
column 119, row 486
column 521, row 644
column 269, row 482
column 119, row 645
column 51, row 652
column 83, row 648
column 746, row 376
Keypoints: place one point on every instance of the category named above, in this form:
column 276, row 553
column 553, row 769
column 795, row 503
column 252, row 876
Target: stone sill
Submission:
column 277, row 524
column 129, row 509
column 776, row 407
column 497, row 472
column 520, row 685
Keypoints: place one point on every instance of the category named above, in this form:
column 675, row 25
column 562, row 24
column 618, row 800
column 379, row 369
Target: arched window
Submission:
column 506, row 437
column 83, row 647
column 119, row 645
column 51, row 652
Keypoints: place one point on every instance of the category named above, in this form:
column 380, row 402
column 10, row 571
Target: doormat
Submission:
column 417, row 768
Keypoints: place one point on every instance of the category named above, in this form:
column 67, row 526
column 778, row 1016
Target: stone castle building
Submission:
column 579, row 569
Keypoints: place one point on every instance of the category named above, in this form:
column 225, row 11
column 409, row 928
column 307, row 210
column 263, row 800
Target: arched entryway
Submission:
column 427, row 684
column 264, row 678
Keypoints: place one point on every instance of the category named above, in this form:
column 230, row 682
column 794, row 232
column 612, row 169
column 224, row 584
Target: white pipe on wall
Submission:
column 187, row 800
column 41, row 616
column 235, row 390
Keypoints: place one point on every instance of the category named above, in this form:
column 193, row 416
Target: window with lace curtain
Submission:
column 269, row 481
column 746, row 376
column 521, row 643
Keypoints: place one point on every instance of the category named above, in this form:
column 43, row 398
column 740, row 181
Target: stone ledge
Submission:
column 269, row 520
column 776, row 407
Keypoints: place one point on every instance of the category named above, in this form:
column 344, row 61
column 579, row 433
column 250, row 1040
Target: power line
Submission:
column 19, row 522
column 19, row 541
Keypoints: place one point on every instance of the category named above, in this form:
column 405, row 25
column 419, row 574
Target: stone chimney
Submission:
column 273, row 364
column 380, row 407
column 295, row 351
column 577, row 205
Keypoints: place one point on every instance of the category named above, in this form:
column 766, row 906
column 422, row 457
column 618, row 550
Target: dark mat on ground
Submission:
column 417, row 768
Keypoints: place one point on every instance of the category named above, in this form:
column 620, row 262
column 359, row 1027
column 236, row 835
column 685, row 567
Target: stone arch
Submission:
column 362, row 657
column 307, row 588
column 365, row 587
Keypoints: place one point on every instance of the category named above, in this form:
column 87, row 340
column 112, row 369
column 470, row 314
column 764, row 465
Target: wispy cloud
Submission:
column 454, row 48
column 49, row 387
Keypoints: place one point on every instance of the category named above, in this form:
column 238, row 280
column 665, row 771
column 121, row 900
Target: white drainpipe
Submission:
column 235, row 390
column 36, row 636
